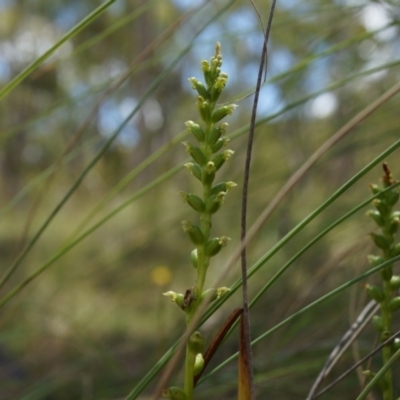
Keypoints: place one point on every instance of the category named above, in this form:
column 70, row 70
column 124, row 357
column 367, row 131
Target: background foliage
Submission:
column 94, row 322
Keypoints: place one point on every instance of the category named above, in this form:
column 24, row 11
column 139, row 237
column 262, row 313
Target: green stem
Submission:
column 204, row 261
column 189, row 373
column 387, row 388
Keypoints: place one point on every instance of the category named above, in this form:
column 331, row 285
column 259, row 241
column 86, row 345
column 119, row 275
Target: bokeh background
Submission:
column 95, row 321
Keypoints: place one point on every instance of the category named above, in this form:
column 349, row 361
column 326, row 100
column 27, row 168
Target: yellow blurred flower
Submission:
column 161, row 275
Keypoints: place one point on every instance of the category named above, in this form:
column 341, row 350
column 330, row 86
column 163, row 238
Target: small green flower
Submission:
column 377, row 322
column 376, row 216
column 214, row 246
column 220, row 158
column 199, row 87
column 194, row 201
column 214, row 202
column 175, row 297
column 196, row 342
column 218, row 86
column 392, row 197
column 196, row 153
column 375, row 292
column 381, row 206
column 204, row 108
column 222, row 187
column 209, row 173
column 194, row 258
column 216, row 133
column 375, row 189
column 222, row 291
column 395, row 283
column 196, row 130
column 194, row 169
column 395, row 250
column 222, row 112
column 215, row 294
column 194, row 233
column 382, row 242
column 219, row 144
column 198, row 364
column 394, row 304
column 375, row 260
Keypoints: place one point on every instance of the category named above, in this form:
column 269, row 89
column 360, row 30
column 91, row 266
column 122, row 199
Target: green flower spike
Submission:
column 207, row 157
column 388, row 221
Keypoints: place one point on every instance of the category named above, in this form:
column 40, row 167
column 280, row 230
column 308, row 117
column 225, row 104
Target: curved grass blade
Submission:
column 256, row 266
column 70, row 34
column 105, row 147
column 356, row 365
column 135, row 64
column 120, row 23
column 128, row 178
column 305, row 62
column 313, row 241
column 307, row 308
column 269, row 254
column 379, row 375
column 239, row 132
column 96, row 158
column 42, row 176
column 306, row 247
column 64, row 250
column 300, row 226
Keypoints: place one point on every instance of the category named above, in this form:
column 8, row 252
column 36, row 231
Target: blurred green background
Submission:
column 95, row 321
